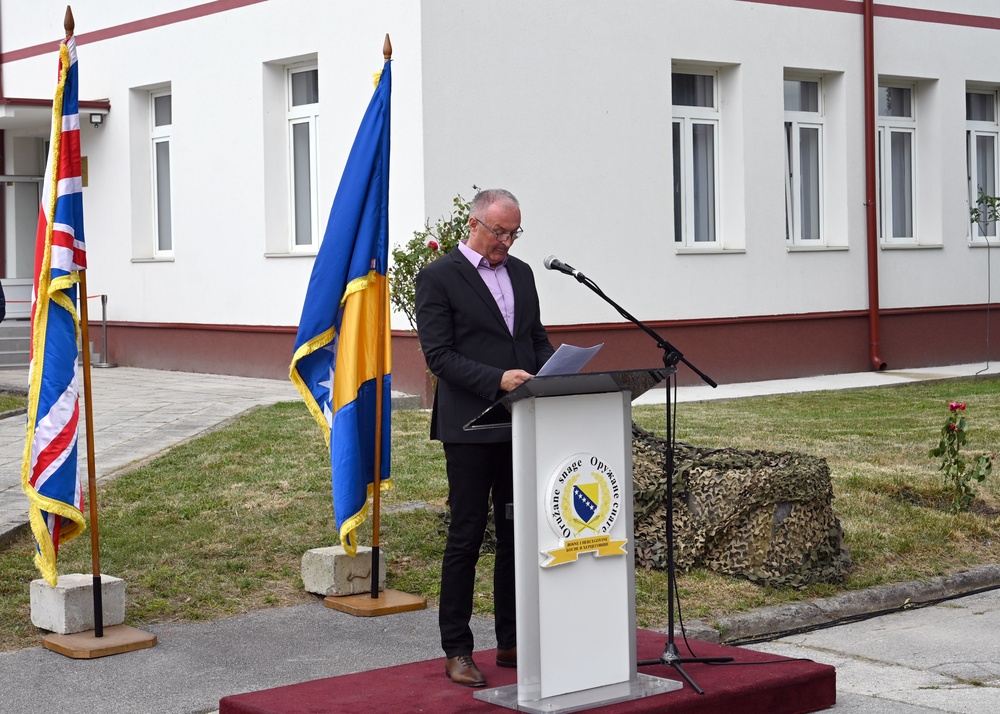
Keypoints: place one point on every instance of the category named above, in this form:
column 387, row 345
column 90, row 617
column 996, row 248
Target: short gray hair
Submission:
column 489, row 196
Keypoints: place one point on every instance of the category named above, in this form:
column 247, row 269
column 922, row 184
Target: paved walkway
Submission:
column 943, row 658
column 860, row 380
column 138, row 413
column 938, row 659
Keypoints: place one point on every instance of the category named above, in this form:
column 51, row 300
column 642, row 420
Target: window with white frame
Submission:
column 696, row 158
column 981, row 133
column 303, row 116
column 803, row 161
column 161, row 116
column 897, row 129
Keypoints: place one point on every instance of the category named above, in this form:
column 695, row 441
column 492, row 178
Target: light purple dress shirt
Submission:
column 497, row 280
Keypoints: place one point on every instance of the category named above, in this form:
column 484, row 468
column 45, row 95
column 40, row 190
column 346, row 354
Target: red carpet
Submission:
column 788, row 687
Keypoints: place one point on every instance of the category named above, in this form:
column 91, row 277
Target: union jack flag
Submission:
column 49, row 474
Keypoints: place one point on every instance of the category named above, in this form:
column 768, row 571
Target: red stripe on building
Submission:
column 937, row 17
column 129, row 28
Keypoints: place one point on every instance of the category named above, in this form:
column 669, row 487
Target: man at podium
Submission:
column 480, row 329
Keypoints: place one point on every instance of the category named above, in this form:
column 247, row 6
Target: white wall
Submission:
column 944, row 58
column 214, row 65
column 565, row 102
column 568, row 104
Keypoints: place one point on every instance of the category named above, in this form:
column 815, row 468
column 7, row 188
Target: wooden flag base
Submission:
column 85, row 645
column 388, row 602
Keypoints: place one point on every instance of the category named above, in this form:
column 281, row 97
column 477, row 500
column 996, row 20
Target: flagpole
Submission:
column 368, row 163
column 376, row 482
column 380, row 372
column 95, row 552
column 63, row 207
column 69, row 24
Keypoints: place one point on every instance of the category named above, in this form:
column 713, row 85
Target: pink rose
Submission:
column 432, row 244
column 956, row 406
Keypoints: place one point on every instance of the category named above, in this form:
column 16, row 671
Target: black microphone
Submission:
column 553, row 263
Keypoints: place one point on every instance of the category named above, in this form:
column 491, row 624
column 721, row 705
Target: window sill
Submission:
column 910, row 246
column 709, row 251
column 994, row 243
column 800, row 248
column 163, row 259
column 298, row 254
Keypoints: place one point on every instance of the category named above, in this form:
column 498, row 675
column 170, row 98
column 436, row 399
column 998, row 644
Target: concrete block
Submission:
column 68, row 607
column 331, row 571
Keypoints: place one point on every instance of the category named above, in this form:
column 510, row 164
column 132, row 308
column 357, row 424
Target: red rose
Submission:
column 956, row 406
column 432, row 244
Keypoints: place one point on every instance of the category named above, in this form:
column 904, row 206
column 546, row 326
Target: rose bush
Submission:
column 426, row 245
column 959, row 472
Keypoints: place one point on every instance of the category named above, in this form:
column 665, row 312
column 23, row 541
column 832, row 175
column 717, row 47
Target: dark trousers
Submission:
column 476, row 471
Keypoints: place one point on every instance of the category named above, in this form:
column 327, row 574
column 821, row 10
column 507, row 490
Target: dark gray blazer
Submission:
column 467, row 345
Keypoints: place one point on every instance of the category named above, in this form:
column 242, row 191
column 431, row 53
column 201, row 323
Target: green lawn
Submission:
column 218, row 526
column 9, row 402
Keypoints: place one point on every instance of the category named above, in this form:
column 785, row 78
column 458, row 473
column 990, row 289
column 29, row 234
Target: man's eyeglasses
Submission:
column 502, row 237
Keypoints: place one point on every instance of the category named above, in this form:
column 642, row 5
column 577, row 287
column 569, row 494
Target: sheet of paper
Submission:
column 568, row 360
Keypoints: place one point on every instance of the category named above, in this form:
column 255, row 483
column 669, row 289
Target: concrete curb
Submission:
column 770, row 623
column 11, row 534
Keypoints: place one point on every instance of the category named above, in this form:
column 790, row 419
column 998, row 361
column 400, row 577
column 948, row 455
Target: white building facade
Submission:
column 713, row 165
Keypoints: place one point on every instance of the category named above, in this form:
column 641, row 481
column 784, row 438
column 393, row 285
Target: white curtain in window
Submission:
column 164, row 239
column 693, row 90
column 979, row 106
column 703, row 164
column 986, row 178
column 305, row 87
column 789, row 176
column 163, row 110
column 901, row 160
column 301, row 183
column 678, row 181
column 801, row 95
column 809, row 152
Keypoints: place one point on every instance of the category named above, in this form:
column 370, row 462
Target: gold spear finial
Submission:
column 387, row 48
column 68, row 22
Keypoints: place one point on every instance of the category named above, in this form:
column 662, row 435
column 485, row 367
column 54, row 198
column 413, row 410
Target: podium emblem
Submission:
column 584, row 500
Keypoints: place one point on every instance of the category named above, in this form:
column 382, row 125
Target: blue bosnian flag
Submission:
column 342, row 360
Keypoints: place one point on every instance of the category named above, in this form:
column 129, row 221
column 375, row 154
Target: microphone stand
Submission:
column 671, row 357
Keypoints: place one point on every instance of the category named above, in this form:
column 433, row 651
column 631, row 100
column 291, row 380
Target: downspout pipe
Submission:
column 3, row 169
column 871, row 205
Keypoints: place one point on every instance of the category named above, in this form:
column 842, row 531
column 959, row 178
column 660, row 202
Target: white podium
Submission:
column 574, row 556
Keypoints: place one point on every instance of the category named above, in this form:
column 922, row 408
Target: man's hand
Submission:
column 514, row 378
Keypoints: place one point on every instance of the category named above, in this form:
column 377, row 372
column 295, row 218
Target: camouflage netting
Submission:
column 764, row 516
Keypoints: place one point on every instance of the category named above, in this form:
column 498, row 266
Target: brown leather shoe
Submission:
column 463, row 670
column 507, row 658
